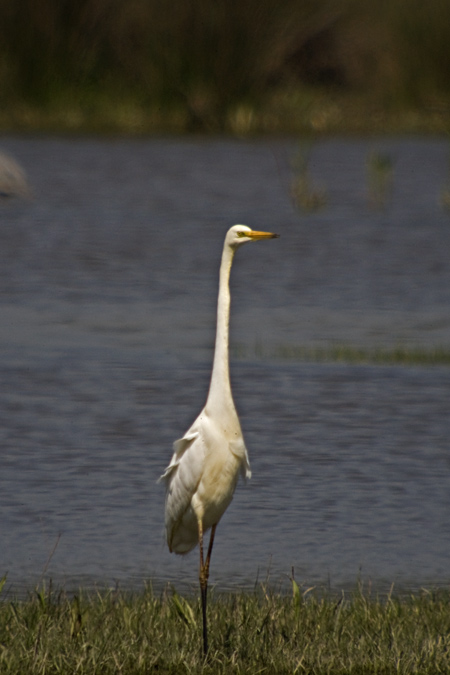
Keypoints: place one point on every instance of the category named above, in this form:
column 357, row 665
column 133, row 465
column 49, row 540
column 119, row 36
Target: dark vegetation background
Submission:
column 239, row 66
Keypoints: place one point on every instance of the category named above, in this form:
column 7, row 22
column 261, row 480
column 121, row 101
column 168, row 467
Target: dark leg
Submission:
column 203, row 587
column 204, row 575
column 208, row 557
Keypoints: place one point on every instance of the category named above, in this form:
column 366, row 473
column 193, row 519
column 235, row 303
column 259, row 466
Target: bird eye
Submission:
column 241, row 234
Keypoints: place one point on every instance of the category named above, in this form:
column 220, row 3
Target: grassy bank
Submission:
column 249, row 633
column 296, row 66
column 302, row 111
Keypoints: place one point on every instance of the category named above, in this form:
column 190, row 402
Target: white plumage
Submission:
column 202, row 477
column 203, row 473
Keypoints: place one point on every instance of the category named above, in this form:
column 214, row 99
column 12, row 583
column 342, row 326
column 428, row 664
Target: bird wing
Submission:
column 182, row 477
column 180, row 446
column 239, row 450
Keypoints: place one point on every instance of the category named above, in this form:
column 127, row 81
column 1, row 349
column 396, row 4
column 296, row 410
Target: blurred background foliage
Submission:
column 224, row 65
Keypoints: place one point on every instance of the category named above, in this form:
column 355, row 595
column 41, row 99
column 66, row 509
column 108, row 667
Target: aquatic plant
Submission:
column 380, row 170
column 305, row 195
column 344, row 353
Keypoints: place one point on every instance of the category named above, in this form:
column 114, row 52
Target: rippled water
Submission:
column 108, row 281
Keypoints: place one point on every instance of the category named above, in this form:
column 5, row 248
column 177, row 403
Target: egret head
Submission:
column 241, row 234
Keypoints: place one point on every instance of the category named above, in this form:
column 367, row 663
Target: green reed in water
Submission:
column 379, row 169
column 341, row 353
column 263, row 631
column 304, row 194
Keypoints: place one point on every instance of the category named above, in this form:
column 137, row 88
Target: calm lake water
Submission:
column 108, row 281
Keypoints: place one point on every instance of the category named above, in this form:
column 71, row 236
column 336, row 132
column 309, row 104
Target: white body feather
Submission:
column 201, row 478
column 203, row 473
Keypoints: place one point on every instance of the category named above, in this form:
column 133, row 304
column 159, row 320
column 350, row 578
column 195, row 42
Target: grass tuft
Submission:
column 256, row 632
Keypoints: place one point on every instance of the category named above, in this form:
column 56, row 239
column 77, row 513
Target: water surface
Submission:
column 108, row 281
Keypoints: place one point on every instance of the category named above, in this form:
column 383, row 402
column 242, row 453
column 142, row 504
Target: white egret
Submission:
column 203, row 472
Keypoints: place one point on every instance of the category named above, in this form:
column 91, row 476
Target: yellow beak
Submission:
column 254, row 234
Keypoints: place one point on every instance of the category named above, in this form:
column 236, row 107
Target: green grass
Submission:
column 341, row 353
column 259, row 632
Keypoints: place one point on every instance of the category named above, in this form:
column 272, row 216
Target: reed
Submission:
column 305, row 195
column 379, row 170
column 208, row 63
column 296, row 65
column 350, row 354
column 263, row 631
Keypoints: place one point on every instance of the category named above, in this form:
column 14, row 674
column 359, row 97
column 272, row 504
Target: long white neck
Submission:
column 220, row 388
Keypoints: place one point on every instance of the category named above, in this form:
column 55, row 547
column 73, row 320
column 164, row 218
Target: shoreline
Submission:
column 287, row 113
